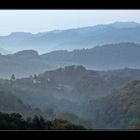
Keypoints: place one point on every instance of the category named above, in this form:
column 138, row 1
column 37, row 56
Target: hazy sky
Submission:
column 45, row 20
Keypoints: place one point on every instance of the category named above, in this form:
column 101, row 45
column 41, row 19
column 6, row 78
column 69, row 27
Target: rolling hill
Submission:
column 106, row 57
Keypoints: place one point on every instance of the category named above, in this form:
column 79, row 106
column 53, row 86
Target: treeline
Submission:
column 15, row 121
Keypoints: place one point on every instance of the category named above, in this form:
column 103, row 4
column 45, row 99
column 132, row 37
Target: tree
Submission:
column 135, row 124
column 59, row 124
column 35, row 76
column 12, row 121
column 39, row 123
column 13, row 78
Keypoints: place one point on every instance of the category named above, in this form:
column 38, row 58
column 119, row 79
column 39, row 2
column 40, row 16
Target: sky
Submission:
column 35, row 21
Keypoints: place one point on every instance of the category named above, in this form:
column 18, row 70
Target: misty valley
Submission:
column 85, row 79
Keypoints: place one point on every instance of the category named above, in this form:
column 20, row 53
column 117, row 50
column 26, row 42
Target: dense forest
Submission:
column 15, row 121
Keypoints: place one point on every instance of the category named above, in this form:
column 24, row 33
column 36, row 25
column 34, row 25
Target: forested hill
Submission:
column 119, row 110
column 106, row 57
column 94, row 99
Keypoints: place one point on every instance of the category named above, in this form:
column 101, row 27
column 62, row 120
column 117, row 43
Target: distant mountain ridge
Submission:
column 70, row 39
column 125, row 24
